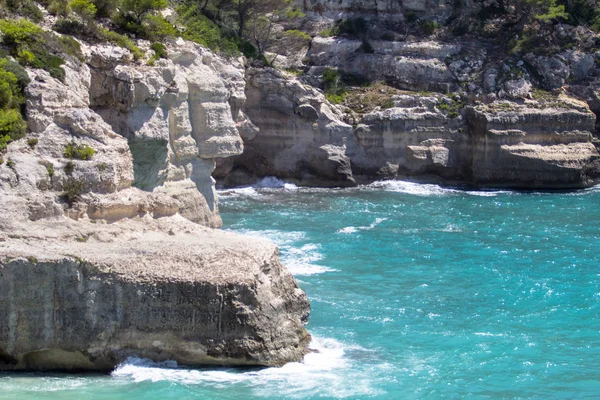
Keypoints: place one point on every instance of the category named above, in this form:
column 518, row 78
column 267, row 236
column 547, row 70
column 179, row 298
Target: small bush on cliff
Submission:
column 356, row 27
column 335, row 89
column 201, row 29
column 25, row 8
column 79, row 151
column 121, row 41
column 142, row 18
column 428, row 27
column 31, row 46
column 12, row 125
column 86, row 9
column 159, row 50
column 105, row 8
column 72, row 190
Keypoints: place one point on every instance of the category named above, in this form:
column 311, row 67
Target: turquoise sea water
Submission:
column 417, row 292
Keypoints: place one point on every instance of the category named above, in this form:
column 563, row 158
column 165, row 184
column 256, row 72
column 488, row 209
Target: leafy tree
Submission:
column 106, row 8
column 84, row 8
column 139, row 8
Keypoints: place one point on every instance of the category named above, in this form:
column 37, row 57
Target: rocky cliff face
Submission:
column 87, row 296
column 103, row 255
column 447, row 109
column 543, row 143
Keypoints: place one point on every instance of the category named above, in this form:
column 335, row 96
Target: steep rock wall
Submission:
column 105, row 257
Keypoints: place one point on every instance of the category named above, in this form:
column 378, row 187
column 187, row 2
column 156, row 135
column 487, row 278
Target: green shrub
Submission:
column 428, row 27
column 12, row 126
column 160, row 50
column 155, row 27
column 200, row 29
column 30, row 45
column 25, row 8
column 9, row 89
column 72, row 190
column 296, row 34
column 32, row 143
column 122, row 41
column 106, row 8
column 140, row 8
column 79, row 151
column 366, row 47
column 387, row 36
column 18, row 71
column 353, row 26
column 20, row 32
column 72, row 47
column 336, row 98
column 411, row 17
column 452, row 108
column 335, row 89
column 86, row 9
column 69, row 168
column 57, row 7
column 50, row 170
column 357, row 27
column 68, row 26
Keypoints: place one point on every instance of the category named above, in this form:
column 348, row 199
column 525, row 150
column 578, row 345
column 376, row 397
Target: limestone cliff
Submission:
column 109, row 253
column 432, row 107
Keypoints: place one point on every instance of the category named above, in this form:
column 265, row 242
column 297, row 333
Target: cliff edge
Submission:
column 106, row 246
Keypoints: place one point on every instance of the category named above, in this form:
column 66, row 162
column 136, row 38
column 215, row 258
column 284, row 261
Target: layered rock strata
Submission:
column 88, row 296
column 521, row 143
column 108, row 254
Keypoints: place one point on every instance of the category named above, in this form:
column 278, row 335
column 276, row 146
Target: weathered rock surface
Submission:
column 412, row 66
column 531, row 147
column 299, row 135
column 521, row 143
column 111, row 257
column 87, row 296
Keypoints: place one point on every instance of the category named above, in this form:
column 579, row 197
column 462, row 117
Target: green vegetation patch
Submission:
column 366, row 99
column 202, row 30
column 79, row 151
column 121, row 41
column 24, row 8
column 13, row 80
column 33, row 47
column 71, row 191
column 334, row 86
column 452, row 107
column 355, row 27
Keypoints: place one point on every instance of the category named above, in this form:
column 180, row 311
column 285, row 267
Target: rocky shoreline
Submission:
column 113, row 254
column 107, row 239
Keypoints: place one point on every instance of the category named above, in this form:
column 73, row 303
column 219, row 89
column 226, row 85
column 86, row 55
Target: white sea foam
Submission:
column 324, row 372
column 421, row 189
column 301, row 260
column 348, row 230
column 353, row 229
column 428, row 189
column 256, row 190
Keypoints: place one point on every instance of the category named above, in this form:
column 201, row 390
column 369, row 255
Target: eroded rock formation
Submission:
column 110, row 255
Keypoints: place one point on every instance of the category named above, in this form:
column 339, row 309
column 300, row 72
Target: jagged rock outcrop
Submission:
column 520, row 143
column 103, row 255
column 533, row 145
column 298, row 135
column 87, row 296
column 408, row 65
column 412, row 138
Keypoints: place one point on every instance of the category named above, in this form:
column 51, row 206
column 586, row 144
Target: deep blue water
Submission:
column 417, row 292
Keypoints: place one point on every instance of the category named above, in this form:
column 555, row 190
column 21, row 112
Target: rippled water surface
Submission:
column 417, row 292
